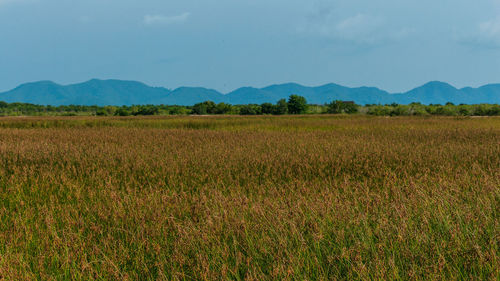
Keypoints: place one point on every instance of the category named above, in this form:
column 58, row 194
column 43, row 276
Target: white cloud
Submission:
column 485, row 34
column 490, row 29
column 362, row 29
column 166, row 20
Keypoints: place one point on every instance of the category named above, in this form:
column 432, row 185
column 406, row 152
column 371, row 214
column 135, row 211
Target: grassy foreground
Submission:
column 250, row 198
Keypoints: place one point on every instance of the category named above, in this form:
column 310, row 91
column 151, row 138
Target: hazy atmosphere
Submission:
column 392, row 44
column 249, row 140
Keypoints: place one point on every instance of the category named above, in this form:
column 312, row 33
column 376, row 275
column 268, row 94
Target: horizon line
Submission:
column 243, row 87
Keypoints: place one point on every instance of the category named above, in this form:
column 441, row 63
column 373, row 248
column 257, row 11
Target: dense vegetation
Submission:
column 315, row 197
column 294, row 105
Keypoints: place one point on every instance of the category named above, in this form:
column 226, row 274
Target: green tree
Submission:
column 297, row 104
column 335, row 107
column 207, row 107
column 122, row 111
column 101, row 112
column 281, row 107
column 351, row 108
column 223, row 108
column 250, row 109
column 494, row 110
column 268, row 108
column 146, row 110
column 463, row 110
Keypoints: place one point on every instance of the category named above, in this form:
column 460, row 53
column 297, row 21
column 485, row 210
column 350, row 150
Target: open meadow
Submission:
column 318, row 197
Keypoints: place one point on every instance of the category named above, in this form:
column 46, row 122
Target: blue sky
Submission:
column 225, row 44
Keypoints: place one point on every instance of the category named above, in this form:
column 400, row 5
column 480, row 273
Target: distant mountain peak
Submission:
column 42, row 82
column 289, row 84
column 329, row 85
column 285, row 85
column 437, row 84
column 124, row 92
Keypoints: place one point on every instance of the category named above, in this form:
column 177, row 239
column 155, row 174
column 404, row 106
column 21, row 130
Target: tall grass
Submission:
column 250, row 198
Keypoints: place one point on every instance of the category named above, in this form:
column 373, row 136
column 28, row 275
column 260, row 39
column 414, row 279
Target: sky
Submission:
column 395, row 45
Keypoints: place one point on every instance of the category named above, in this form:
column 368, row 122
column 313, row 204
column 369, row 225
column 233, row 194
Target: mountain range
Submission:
column 119, row 92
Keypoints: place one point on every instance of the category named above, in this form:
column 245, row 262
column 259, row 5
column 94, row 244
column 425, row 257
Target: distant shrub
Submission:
column 281, row 107
column 122, row 112
column 268, row 108
column 297, row 104
column 250, row 109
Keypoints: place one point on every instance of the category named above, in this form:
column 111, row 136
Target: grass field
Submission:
column 250, row 198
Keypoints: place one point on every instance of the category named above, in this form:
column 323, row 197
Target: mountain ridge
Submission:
column 127, row 92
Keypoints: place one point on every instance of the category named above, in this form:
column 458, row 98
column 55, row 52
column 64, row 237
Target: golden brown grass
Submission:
column 250, row 198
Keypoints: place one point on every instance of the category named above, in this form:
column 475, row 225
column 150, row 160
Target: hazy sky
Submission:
column 225, row 44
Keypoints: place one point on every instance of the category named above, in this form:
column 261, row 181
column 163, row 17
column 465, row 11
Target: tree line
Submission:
column 293, row 105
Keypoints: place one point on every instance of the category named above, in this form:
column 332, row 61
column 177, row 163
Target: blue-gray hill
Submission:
column 118, row 92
